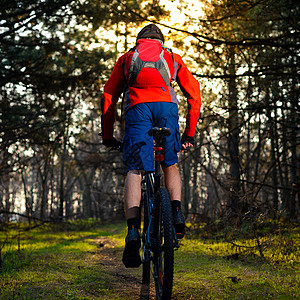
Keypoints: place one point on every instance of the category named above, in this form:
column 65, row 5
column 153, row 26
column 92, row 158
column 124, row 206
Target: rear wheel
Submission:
column 163, row 258
column 146, row 263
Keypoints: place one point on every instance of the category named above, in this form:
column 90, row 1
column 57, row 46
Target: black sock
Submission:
column 133, row 223
column 176, row 204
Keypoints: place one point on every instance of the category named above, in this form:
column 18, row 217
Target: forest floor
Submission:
column 84, row 262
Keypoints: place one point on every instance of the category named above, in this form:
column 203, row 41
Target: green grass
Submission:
column 83, row 261
column 203, row 273
column 50, row 264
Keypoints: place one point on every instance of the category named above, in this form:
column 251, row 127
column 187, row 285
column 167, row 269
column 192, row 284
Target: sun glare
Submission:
column 179, row 9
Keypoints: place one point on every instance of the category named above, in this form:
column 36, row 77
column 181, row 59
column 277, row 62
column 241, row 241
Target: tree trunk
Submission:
column 294, row 160
column 62, row 177
column 233, row 138
column 185, row 183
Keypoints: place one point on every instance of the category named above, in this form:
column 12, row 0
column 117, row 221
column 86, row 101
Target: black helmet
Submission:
column 151, row 31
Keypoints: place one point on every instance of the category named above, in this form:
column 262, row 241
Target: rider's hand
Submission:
column 112, row 143
column 187, row 142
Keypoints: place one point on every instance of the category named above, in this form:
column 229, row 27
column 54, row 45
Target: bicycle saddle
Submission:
column 157, row 131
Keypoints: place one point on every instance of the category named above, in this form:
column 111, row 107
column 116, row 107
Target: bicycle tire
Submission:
column 146, row 264
column 163, row 261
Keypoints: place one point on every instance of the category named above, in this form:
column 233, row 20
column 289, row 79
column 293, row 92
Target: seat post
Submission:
column 159, row 137
column 157, row 176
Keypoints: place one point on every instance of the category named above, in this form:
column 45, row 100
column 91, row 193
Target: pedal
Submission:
column 180, row 236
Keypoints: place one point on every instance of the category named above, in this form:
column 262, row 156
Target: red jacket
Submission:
column 150, row 93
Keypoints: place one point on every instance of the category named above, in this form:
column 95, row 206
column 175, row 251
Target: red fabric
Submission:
column 148, row 51
column 112, row 91
column 191, row 89
column 150, row 91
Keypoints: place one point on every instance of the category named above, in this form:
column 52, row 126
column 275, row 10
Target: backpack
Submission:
column 149, row 64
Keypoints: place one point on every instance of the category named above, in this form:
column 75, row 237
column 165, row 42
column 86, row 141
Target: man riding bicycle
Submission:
column 147, row 72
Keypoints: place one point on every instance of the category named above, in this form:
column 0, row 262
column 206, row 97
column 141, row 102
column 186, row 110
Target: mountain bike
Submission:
column 158, row 236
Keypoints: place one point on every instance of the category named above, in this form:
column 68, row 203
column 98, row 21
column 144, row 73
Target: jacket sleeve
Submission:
column 191, row 90
column 112, row 91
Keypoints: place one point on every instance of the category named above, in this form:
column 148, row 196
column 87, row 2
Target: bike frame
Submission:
column 152, row 182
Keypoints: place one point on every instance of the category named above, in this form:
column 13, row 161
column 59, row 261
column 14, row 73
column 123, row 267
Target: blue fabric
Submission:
column 138, row 145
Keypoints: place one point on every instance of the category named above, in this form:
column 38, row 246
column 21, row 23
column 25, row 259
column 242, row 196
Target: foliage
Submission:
column 246, row 53
column 53, row 63
column 259, row 238
column 56, row 57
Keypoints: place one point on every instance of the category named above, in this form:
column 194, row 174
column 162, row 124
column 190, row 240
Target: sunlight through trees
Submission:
column 55, row 58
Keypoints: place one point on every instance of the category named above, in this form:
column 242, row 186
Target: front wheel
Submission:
column 163, row 260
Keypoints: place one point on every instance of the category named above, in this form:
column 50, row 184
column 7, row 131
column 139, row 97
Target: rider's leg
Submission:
column 173, row 182
column 132, row 194
column 132, row 197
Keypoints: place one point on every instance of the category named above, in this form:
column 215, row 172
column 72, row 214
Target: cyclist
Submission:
column 147, row 72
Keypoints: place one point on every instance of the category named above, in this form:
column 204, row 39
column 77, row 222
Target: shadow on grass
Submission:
column 145, row 291
column 20, row 250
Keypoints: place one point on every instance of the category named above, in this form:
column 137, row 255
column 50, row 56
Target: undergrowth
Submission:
column 276, row 242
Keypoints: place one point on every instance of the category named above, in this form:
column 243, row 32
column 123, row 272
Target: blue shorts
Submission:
column 138, row 151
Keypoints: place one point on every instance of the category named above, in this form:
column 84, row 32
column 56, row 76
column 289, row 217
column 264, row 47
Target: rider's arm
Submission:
column 112, row 91
column 191, row 90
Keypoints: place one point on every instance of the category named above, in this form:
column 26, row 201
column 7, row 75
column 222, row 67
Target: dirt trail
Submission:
column 128, row 282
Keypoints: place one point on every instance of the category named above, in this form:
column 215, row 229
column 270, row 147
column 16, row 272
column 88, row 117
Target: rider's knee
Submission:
column 169, row 168
column 136, row 172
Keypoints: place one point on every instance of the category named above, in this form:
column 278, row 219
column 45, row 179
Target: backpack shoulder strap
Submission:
column 163, row 68
column 136, row 66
